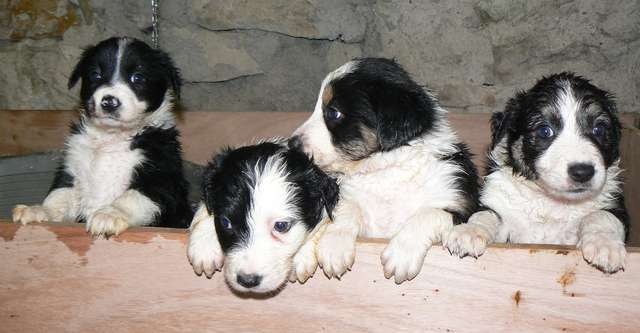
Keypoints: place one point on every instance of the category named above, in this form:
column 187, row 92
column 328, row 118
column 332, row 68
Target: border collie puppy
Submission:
column 553, row 175
column 260, row 215
column 403, row 172
column 122, row 164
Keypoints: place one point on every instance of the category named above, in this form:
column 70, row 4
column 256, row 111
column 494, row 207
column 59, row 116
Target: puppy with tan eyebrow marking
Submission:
column 122, row 165
column 403, row 172
column 553, row 175
column 260, row 217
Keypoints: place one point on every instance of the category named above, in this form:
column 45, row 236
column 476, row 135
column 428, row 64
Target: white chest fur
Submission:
column 397, row 184
column 530, row 216
column 102, row 164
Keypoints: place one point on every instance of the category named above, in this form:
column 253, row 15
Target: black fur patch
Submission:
column 466, row 182
column 378, row 99
column 228, row 180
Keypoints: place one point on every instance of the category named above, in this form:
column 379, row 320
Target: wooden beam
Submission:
column 56, row 278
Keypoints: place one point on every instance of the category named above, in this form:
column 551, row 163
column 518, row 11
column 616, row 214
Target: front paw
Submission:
column 604, row 253
column 403, row 259
column 336, row 253
column 305, row 264
column 467, row 240
column 107, row 222
column 28, row 214
column 204, row 252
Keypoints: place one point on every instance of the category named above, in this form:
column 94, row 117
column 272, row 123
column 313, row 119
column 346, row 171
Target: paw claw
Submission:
column 336, row 253
column 107, row 222
column 605, row 254
column 24, row 214
column 467, row 240
column 403, row 259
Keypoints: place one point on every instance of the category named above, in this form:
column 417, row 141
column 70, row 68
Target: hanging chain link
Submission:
column 155, row 33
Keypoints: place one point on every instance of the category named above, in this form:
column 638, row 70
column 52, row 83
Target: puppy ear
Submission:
column 208, row 176
column 173, row 73
column 81, row 67
column 498, row 126
column 329, row 190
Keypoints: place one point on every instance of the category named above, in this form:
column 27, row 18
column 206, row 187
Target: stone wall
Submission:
column 245, row 55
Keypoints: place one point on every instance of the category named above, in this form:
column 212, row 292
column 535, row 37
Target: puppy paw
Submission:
column 604, row 253
column 305, row 264
column 467, row 240
column 403, row 259
column 107, row 222
column 204, row 252
column 29, row 214
column 336, row 253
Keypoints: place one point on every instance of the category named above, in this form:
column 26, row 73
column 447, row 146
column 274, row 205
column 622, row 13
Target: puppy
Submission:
column 260, row 215
column 404, row 174
column 553, row 175
column 122, row 164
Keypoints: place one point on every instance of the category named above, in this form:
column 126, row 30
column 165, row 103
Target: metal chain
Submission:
column 155, row 33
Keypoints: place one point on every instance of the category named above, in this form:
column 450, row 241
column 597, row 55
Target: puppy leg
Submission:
column 56, row 206
column 305, row 261
column 336, row 249
column 472, row 238
column 203, row 250
column 601, row 240
column 404, row 256
column 132, row 208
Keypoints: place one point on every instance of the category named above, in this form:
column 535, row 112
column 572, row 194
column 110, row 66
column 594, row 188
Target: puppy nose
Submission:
column 249, row 280
column 581, row 172
column 295, row 143
column 109, row 103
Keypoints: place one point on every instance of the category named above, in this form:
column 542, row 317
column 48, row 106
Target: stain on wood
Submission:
column 9, row 230
column 567, row 278
column 517, row 296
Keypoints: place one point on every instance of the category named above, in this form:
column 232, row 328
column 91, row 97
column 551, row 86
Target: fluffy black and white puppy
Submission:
column 122, row 164
column 404, row 174
column 260, row 216
column 553, row 175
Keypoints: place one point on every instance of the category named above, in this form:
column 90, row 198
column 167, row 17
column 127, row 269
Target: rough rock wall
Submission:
column 270, row 55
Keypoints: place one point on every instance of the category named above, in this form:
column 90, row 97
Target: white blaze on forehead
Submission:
column 314, row 133
column 267, row 253
column 122, row 45
column 569, row 147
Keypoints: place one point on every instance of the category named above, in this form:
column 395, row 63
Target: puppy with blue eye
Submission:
column 260, row 215
column 122, row 165
column 553, row 175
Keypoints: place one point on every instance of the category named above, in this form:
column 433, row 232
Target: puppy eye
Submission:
column 137, row 78
column 333, row 114
column 598, row 131
column 282, row 226
column 95, row 76
column 226, row 223
column 545, row 132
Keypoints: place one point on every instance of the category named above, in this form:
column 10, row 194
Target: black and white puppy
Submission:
column 260, row 216
column 553, row 175
column 122, row 164
column 404, row 173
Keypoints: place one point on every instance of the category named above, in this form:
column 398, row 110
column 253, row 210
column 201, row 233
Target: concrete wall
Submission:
column 271, row 55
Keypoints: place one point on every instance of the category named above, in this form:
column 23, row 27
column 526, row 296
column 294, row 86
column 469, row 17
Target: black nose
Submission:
column 249, row 280
column 109, row 103
column 581, row 172
column 295, row 143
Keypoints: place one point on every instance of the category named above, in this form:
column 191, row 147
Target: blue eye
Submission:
column 137, row 78
column 333, row 114
column 95, row 76
column 598, row 131
column 226, row 223
column 282, row 226
column 545, row 132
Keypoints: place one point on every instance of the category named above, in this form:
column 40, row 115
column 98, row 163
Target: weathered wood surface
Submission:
column 56, row 278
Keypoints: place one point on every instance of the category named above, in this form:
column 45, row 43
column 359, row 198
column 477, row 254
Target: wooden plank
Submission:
column 56, row 278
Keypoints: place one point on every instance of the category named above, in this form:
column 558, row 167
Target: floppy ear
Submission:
column 497, row 127
column 173, row 73
column 208, row 176
column 329, row 190
column 81, row 67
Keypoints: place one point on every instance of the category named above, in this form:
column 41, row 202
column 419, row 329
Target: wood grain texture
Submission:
column 56, row 278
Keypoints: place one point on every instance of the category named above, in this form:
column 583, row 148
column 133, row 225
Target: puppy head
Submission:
column 265, row 200
column 366, row 106
column 123, row 81
column 563, row 134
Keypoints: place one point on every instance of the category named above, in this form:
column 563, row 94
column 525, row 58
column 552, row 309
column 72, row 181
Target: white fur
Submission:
column 381, row 195
column 315, row 135
column 268, row 253
column 203, row 250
